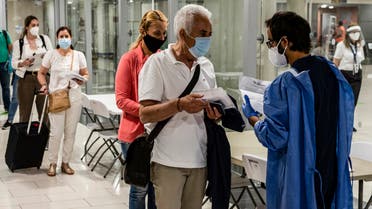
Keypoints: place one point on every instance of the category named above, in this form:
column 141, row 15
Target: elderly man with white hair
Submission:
column 178, row 168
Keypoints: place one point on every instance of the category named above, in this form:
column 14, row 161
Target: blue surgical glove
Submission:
column 248, row 109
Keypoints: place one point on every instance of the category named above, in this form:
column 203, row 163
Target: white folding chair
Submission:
column 108, row 134
column 93, row 125
column 255, row 168
column 362, row 150
column 237, row 182
column 87, row 110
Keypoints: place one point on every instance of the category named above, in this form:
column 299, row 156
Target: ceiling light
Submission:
column 323, row 6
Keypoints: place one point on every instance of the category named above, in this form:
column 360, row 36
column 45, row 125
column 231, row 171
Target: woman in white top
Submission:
column 348, row 57
column 26, row 59
column 61, row 62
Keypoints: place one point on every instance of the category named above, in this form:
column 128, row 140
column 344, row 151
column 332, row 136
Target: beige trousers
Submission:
column 178, row 188
column 63, row 124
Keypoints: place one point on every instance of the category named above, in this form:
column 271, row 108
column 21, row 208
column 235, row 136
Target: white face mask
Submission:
column 354, row 36
column 277, row 59
column 34, row 31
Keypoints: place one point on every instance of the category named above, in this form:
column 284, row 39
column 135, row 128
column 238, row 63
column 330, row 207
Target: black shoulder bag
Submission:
column 137, row 169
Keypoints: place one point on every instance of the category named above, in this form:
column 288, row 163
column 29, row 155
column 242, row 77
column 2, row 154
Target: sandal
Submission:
column 67, row 169
column 52, row 169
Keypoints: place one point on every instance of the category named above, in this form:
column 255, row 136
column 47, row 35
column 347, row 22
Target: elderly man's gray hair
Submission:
column 185, row 17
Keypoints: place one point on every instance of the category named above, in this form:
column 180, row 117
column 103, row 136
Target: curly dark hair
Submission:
column 294, row 27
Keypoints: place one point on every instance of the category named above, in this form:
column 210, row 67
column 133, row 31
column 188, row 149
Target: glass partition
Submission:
column 104, row 45
column 17, row 11
column 104, row 19
column 76, row 22
column 136, row 9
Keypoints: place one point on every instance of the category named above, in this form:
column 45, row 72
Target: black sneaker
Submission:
column 6, row 125
column 354, row 129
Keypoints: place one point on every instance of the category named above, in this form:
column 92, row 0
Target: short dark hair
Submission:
column 294, row 27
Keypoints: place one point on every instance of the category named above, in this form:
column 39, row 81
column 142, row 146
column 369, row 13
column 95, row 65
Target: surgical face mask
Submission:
column 64, row 43
column 152, row 43
column 201, row 46
column 354, row 36
column 34, row 31
column 277, row 59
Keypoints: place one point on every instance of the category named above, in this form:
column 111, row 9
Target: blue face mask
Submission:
column 64, row 43
column 201, row 46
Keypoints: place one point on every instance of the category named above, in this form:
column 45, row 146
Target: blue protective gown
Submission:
column 288, row 131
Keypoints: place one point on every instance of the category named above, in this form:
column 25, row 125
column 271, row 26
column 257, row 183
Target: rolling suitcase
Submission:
column 26, row 142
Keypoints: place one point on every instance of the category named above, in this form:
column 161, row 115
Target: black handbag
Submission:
column 137, row 169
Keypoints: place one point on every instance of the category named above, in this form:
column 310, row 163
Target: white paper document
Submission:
column 217, row 94
column 73, row 75
column 38, row 58
column 254, row 89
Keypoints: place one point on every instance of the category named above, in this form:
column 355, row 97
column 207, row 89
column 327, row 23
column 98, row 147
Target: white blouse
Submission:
column 346, row 56
column 27, row 52
column 60, row 66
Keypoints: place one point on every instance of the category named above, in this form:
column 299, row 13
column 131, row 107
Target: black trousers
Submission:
column 355, row 82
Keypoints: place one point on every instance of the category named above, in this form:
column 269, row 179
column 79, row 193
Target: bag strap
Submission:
column 21, row 43
column 72, row 62
column 43, row 41
column 160, row 125
column 6, row 40
column 354, row 51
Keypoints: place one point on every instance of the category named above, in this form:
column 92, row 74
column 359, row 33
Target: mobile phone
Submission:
column 220, row 107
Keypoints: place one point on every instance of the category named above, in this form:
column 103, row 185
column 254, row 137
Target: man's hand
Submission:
column 192, row 103
column 248, row 109
column 213, row 113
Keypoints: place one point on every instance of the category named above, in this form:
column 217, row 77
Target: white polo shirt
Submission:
column 183, row 141
column 346, row 56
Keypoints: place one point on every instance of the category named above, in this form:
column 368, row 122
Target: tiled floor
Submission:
column 32, row 188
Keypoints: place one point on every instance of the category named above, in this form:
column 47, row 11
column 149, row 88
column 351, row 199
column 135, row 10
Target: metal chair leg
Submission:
column 257, row 192
column 95, row 154
column 86, row 144
column 103, row 153
column 112, row 164
column 368, row 203
column 235, row 202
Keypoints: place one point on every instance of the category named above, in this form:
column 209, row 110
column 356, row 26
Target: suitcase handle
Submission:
column 32, row 113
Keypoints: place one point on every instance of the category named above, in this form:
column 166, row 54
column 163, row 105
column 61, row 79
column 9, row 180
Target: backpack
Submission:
column 8, row 64
column 6, row 39
column 21, row 43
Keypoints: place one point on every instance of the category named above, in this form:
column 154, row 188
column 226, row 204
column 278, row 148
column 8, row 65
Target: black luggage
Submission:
column 26, row 143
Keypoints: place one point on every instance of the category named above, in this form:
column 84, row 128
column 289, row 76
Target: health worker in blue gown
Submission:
column 308, row 123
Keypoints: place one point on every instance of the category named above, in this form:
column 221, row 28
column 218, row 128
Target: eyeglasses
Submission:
column 269, row 43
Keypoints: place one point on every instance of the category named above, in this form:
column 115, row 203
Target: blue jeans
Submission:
column 14, row 101
column 137, row 195
column 5, row 80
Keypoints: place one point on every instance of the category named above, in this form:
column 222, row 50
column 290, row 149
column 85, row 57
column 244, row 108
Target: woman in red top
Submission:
column 152, row 35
